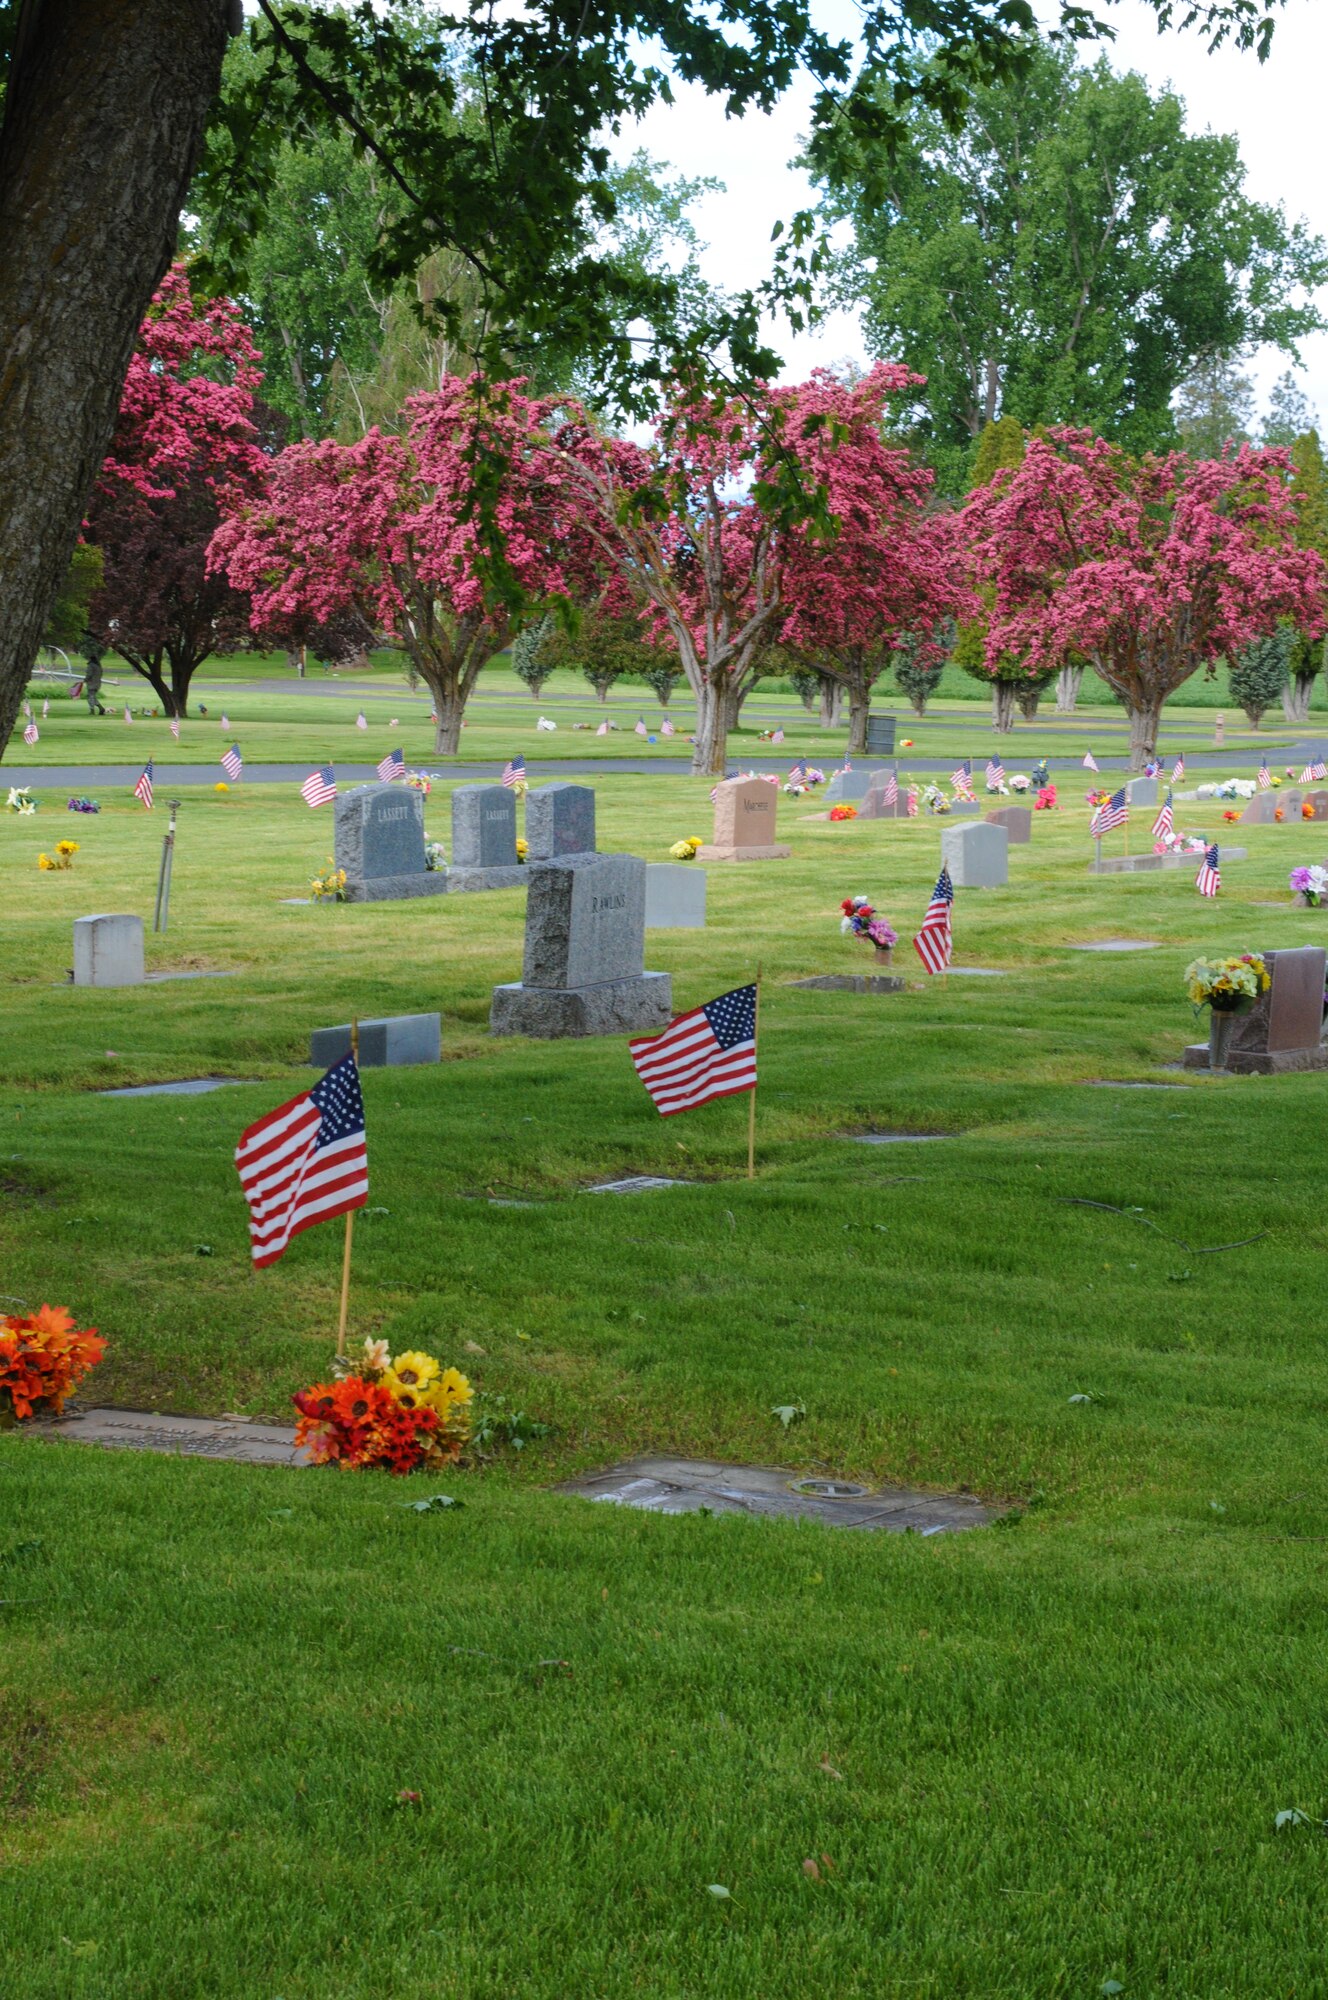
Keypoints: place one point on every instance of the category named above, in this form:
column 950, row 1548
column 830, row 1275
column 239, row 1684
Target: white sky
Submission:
column 1276, row 109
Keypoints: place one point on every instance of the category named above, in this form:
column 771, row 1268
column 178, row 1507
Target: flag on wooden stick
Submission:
column 319, row 787
column 1164, row 825
column 1209, row 879
column 305, row 1162
column 934, row 942
column 707, row 1053
column 143, row 789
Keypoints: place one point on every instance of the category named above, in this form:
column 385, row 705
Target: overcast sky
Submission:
column 1275, row 108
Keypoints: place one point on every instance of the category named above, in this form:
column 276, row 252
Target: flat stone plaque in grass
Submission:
column 190, row 1437
column 635, row 1184
column 853, row 982
column 192, row 1086
column 1118, row 944
column 896, row 1138
column 691, row 1486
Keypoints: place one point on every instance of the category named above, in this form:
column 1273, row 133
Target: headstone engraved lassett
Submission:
column 379, row 841
column 484, row 839
column 583, row 967
column 744, row 823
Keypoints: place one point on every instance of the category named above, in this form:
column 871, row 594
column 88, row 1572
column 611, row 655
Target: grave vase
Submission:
column 1221, row 1027
column 882, row 953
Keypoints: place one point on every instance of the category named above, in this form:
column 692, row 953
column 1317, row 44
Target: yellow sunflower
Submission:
column 450, row 1392
column 410, row 1376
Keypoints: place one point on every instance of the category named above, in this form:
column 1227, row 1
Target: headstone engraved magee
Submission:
column 379, row 841
column 484, row 839
column 560, row 819
column 744, row 823
column 1283, row 1031
column 583, row 969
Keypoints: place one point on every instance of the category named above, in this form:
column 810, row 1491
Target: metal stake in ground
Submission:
column 751, row 1104
column 350, row 1217
column 163, row 909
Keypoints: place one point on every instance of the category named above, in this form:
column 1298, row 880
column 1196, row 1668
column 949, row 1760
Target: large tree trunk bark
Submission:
column 1144, row 725
column 1002, row 706
column 832, row 703
column 859, row 707
column 711, row 739
column 1296, row 697
column 104, row 112
column 1068, row 682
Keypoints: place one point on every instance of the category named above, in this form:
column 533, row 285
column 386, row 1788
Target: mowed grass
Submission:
column 278, row 719
column 1039, row 1758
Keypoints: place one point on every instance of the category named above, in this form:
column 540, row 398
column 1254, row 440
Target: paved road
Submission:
column 173, row 777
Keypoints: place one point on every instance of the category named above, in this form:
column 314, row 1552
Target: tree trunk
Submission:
column 293, row 660
column 859, row 707
column 1144, row 725
column 1068, row 682
column 1296, row 697
column 449, row 706
column 1028, row 695
column 832, row 703
column 1002, row 706
column 152, row 674
column 918, row 703
column 1253, row 713
column 104, row 113
column 711, row 731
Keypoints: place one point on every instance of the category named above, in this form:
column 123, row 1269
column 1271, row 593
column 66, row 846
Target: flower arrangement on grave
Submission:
column 906, row 742
column 21, row 801
column 860, row 919
column 221, row 786
column 522, row 849
column 420, row 781
column 546, row 723
column 1310, row 883
column 80, row 805
column 843, row 812
column 1306, row 809
column 330, row 886
column 65, row 850
column 810, row 777
column 1096, row 796
column 1230, row 788
column 1045, row 802
column 1020, row 782
column 43, row 1355
column 1227, row 985
column 434, row 857
column 1274, row 782
column 404, row 1414
column 1182, row 843
column 685, row 850
column 935, row 800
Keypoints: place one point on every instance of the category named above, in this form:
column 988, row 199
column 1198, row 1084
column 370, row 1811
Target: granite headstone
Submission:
column 675, row 896
column 484, row 839
column 560, row 819
column 379, row 841
column 744, row 822
column 108, row 951
column 1283, row 1031
column 582, row 972
column 1017, row 821
column 977, row 856
column 1141, row 791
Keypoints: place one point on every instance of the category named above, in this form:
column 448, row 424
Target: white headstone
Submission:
column 108, row 951
column 977, row 855
column 675, row 896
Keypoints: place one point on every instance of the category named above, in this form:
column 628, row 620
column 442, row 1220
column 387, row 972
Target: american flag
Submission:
column 225, row 722
column 127, row 716
column 143, row 789
column 891, row 789
column 360, row 722
column 710, row 1052
column 1209, row 879
column 27, row 710
column 1265, row 777
column 911, row 807
column 1178, row 770
column 934, row 941
column 603, row 729
column 232, row 763
column 1318, row 769
column 1164, row 825
column 1111, row 813
column 666, row 727
column 1090, row 761
column 798, row 770
column 514, row 770
column 175, row 727
column 639, row 726
column 319, row 787
column 995, row 771
column 30, row 734
column 392, row 766
column 962, row 776
column 305, row 1162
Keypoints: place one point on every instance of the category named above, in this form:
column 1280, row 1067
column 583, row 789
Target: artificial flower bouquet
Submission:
column 1096, row 796
column 21, row 801
column 861, row 920
column 795, row 787
column 1310, row 884
column 1227, row 985
column 685, row 850
column 935, row 800
column 330, row 886
column 420, row 781
column 81, row 805
column 434, row 857
column 522, row 849
column 1020, row 782
column 65, row 850
column 843, row 812
column 402, row 1414
column 43, row 1355
column 1045, row 801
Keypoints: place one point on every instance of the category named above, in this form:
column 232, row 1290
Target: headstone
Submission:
column 1319, row 801
column 560, row 819
column 1017, row 821
column 675, row 896
column 1219, row 731
column 976, row 856
column 387, row 1043
column 1149, row 864
column 744, row 823
column 874, row 805
column 1261, row 809
column 1141, row 791
column 846, row 786
column 1283, row 1031
column 880, row 735
column 379, row 841
column 108, row 951
column 484, row 839
column 582, row 972
column 1289, row 804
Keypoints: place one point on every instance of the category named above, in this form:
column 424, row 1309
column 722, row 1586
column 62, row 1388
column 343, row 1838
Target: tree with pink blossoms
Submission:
column 711, row 527
column 186, row 445
column 1149, row 568
column 437, row 536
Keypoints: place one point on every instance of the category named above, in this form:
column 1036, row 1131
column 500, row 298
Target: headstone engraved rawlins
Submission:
column 583, row 968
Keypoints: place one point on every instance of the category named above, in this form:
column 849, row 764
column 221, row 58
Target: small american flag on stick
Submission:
column 1090, row 761
column 175, row 727
column 232, row 763
column 707, row 1053
column 1112, row 812
column 30, row 734
column 319, row 787
column 305, row 1162
column 1164, row 825
column 1178, row 770
column 666, row 727
column 1265, row 776
column 127, row 716
column 995, row 771
column 891, row 789
column 639, row 726
column 392, row 766
column 603, row 729
column 1312, row 772
column 143, row 789
column 225, row 722
column 361, row 721
column 514, row 770
column 1209, row 879
column 962, row 777
column 778, row 736
column 934, row 942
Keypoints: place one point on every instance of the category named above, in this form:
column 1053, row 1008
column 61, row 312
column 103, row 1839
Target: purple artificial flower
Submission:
column 1300, row 879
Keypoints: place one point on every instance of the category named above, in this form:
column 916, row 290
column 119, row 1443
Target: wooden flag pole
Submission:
column 751, row 1096
column 350, row 1221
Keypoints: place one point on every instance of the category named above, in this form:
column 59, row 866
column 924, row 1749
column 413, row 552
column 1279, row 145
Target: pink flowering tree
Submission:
column 1148, row 568
column 437, row 537
column 186, row 446
column 705, row 528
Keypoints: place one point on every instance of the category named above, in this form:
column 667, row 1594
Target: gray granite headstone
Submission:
column 977, row 856
column 108, row 951
column 484, row 827
column 844, row 786
column 560, row 819
column 1141, row 791
column 582, row 973
column 1017, row 821
column 388, row 1043
column 880, row 735
column 1319, row 801
column 379, row 841
column 675, row 896
column 1261, row 810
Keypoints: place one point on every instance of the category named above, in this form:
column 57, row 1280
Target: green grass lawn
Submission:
column 1040, row 1757
column 315, row 721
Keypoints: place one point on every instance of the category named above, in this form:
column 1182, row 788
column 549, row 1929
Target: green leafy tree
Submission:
column 531, row 659
column 1214, row 406
column 917, row 672
column 662, row 676
column 1065, row 257
column 1259, row 672
column 68, row 620
column 1290, row 412
column 605, row 646
column 1309, row 484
